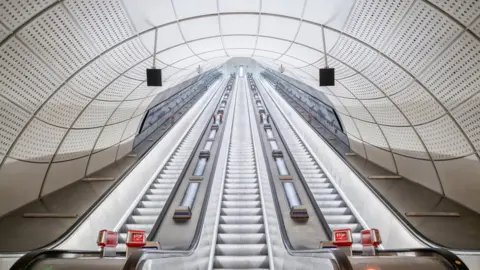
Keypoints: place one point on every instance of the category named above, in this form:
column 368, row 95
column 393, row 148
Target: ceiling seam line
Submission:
column 387, row 96
column 82, row 31
column 220, row 28
column 382, row 46
column 132, row 117
column 74, row 122
column 66, row 134
column 381, row 131
column 298, row 31
column 181, row 32
column 448, row 46
column 92, row 152
column 34, row 114
column 365, row 150
column 358, row 130
column 341, row 32
column 60, row 78
column 416, row 158
column 452, row 18
column 258, row 27
column 13, row 32
column 386, row 125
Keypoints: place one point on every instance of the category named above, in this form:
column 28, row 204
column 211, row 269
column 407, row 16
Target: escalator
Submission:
column 241, row 241
column 146, row 213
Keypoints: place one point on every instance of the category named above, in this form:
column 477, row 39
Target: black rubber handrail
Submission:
column 315, row 206
column 140, row 256
column 166, row 207
column 199, row 94
column 390, row 207
column 33, row 256
column 28, row 260
column 339, row 256
column 96, row 204
column 452, row 258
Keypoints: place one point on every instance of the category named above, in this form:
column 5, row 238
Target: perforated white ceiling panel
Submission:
column 407, row 71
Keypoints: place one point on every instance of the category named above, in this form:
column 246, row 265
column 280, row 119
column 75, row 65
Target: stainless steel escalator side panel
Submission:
column 199, row 257
column 241, row 240
column 365, row 205
column 114, row 208
column 283, row 258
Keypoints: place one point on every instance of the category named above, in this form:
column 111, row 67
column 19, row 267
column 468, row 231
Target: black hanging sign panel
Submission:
column 327, row 77
column 154, row 77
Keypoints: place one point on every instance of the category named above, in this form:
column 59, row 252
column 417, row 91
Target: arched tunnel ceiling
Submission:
column 73, row 79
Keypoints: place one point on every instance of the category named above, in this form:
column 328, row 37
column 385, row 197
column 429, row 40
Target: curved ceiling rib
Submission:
column 406, row 69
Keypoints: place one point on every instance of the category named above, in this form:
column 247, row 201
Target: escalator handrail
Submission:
column 140, row 256
column 444, row 253
column 337, row 255
column 315, row 206
column 173, row 193
column 96, row 204
column 393, row 210
column 29, row 259
column 39, row 253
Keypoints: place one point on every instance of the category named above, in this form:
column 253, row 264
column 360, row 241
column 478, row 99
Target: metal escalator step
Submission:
column 241, row 228
column 240, row 180
column 241, row 219
column 326, row 197
column 355, row 227
column 241, row 250
column 340, row 219
column 327, row 204
column 319, row 191
column 335, row 211
column 239, row 238
column 241, row 211
column 248, row 197
column 151, row 204
column 249, row 185
column 238, row 171
column 147, row 211
column 319, row 185
column 142, row 219
column 241, row 191
column 241, row 175
column 145, row 227
column 159, row 191
column 156, row 197
column 241, row 262
column 241, row 204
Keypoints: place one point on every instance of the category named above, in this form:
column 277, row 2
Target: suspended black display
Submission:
column 154, row 77
column 327, row 77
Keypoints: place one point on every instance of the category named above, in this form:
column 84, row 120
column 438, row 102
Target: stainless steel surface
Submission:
column 392, row 189
column 241, row 241
column 332, row 205
column 399, row 263
column 145, row 214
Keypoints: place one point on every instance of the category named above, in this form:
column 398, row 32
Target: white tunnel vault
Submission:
column 73, row 86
